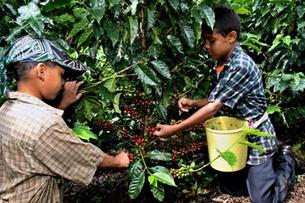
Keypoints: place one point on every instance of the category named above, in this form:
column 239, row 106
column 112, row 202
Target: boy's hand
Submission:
column 165, row 130
column 186, row 104
column 70, row 94
column 123, row 159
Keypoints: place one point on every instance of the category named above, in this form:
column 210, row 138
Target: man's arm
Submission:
column 119, row 161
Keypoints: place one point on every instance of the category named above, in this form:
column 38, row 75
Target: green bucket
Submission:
column 223, row 134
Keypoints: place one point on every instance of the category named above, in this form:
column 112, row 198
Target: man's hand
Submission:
column 165, row 130
column 123, row 159
column 186, row 104
column 70, row 94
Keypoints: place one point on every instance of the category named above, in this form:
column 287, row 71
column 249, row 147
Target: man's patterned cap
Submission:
column 29, row 49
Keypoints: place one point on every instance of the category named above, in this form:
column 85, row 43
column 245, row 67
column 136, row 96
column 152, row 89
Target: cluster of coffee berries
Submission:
column 150, row 130
column 131, row 157
column 181, row 172
column 143, row 102
column 195, row 147
column 106, row 126
column 130, row 112
column 138, row 140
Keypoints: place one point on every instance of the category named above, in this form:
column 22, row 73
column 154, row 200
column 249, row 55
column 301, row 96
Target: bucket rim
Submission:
column 226, row 131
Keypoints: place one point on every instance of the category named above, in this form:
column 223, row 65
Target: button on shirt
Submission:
column 239, row 87
column 36, row 147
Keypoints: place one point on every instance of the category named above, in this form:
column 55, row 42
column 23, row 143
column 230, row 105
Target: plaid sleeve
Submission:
column 67, row 156
column 232, row 87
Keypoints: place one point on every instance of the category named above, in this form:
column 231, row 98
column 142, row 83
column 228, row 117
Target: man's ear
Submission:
column 41, row 70
column 232, row 36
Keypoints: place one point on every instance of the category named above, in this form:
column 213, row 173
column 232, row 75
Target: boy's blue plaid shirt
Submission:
column 240, row 88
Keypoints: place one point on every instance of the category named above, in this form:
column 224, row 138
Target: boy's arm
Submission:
column 199, row 116
column 186, row 104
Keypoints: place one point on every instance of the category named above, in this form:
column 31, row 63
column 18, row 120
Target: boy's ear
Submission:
column 232, row 36
column 41, row 70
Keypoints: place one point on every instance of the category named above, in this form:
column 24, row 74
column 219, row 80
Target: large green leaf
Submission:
column 157, row 155
column 84, row 36
column 97, row 9
column 156, row 189
column 112, row 32
column 255, row 132
column 84, row 132
column 165, row 178
column 149, row 18
column 162, row 169
column 229, row 157
column 162, row 68
column 136, row 185
column 188, row 34
column 81, row 25
column 116, row 103
column 110, row 84
column 133, row 28
column 209, row 16
column 135, row 169
column 252, row 145
column 31, row 18
column 146, row 75
column 176, row 43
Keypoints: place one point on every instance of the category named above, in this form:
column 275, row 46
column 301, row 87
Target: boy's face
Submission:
column 219, row 47
column 53, row 82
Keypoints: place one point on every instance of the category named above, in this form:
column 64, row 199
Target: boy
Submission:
column 36, row 146
column 237, row 90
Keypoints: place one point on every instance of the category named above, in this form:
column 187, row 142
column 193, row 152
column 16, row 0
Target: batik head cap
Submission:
column 30, row 49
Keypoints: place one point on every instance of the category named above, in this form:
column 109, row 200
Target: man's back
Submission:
column 23, row 120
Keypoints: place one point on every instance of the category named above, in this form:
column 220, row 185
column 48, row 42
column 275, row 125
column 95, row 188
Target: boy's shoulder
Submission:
column 241, row 59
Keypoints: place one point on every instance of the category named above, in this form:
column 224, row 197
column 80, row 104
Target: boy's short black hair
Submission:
column 226, row 21
column 19, row 69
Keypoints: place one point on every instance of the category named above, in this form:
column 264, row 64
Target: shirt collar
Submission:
column 237, row 50
column 23, row 97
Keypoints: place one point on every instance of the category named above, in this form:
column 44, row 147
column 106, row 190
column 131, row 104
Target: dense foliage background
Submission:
column 145, row 55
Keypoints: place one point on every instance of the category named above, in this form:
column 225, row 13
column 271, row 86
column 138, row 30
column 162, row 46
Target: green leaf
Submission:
column 135, row 169
column 147, row 76
column 97, row 9
column 84, row 132
column 175, row 42
column 158, row 192
column 174, row 4
column 133, row 29
column 162, row 169
column 149, row 18
column 252, row 145
column 84, row 36
column 136, row 185
column 273, row 108
column 209, row 16
column 165, row 178
column 228, row 156
column 133, row 6
column 255, row 132
column 81, row 25
column 162, row 68
column 112, row 32
column 110, row 84
column 188, row 34
column 157, row 155
column 116, row 103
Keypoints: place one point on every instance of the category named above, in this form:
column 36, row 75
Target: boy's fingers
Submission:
column 78, row 84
